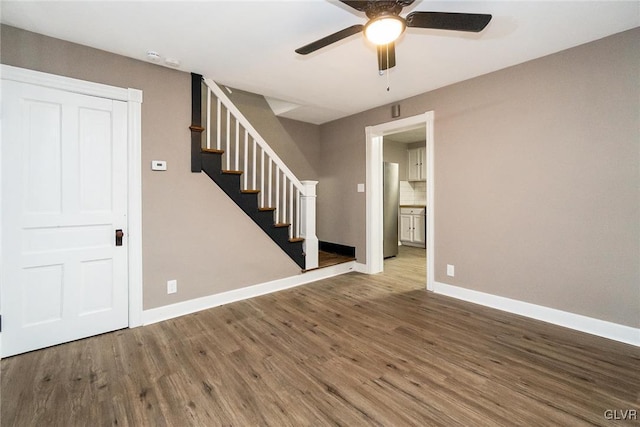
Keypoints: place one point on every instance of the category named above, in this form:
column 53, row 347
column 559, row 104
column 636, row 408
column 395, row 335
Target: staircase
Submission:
column 234, row 155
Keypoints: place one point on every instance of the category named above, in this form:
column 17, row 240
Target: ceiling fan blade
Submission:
column 405, row 3
column 326, row 41
column 386, row 56
column 356, row 4
column 363, row 5
column 473, row 22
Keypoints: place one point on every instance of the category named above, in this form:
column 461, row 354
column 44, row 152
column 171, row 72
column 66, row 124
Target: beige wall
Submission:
column 191, row 231
column 537, row 172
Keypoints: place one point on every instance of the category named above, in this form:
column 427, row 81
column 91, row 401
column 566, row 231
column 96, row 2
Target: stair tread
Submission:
column 281, row 224
column 212, row 150
column 266, row 209
column 296, row 239
column 250, row 191
column 232, row 172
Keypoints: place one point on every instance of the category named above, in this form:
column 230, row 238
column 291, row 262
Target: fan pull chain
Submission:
column 388, row 68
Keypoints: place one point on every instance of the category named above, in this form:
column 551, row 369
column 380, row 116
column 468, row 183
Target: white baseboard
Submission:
column 360, row 268
column 602, row 328
column 186, row 307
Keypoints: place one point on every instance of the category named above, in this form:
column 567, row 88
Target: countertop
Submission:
column 413, row 206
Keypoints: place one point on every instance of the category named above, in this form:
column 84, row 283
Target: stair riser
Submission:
column 263, row 219
column 211, row 162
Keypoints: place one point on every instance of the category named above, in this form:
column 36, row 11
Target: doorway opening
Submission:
column 375, row 137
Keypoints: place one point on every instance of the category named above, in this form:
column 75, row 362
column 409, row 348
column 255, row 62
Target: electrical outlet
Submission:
column 451, row 270
column 172, row 286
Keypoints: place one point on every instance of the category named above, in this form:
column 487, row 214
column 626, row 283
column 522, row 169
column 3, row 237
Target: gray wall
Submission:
column 191, row 231
column 536, row 180
column 396, row 152
column 536, row 176
column 297, row 143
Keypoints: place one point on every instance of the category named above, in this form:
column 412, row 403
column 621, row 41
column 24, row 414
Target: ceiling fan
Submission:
column 385, row 25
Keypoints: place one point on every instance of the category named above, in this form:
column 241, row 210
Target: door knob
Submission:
column 119, row 236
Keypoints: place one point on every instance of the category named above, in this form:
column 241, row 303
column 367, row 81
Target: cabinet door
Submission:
column 406, row 228
column 418, row 229
column 423, row 164
column 417, row 166
column 413, row 166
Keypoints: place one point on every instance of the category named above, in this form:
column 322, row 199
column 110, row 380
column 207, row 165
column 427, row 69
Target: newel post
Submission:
column 308, row 224
column 196, row 122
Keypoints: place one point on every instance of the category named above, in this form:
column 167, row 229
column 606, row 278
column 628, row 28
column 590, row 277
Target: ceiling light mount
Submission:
column 171, row 62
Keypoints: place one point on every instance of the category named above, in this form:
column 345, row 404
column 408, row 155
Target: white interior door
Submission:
column 64, row 194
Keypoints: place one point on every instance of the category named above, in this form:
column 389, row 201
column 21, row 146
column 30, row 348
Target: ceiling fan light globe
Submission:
column 384, row 29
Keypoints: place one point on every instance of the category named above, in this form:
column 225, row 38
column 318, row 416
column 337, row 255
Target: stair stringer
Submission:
column 248, row 202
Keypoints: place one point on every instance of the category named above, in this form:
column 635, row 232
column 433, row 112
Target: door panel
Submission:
column 96, row 279
column 42, row 161
column 42, row 295
column 64, row 190
column 95, row 160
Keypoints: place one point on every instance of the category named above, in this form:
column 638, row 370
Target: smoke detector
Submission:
column 153, row 56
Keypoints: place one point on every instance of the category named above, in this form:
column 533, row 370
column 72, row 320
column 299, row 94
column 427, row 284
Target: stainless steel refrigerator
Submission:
column 390, row 206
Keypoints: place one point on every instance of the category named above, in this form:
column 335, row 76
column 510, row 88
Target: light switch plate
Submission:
column 158, row 165
column 360, row 188
column 172, row 286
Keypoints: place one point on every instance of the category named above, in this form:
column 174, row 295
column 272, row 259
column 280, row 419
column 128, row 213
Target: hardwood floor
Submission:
column 328, row 259
column 352, row 350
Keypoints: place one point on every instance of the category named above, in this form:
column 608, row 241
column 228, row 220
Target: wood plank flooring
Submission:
column 354, row 350
column 328, row 259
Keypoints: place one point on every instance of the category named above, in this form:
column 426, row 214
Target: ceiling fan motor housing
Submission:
column 375, row 9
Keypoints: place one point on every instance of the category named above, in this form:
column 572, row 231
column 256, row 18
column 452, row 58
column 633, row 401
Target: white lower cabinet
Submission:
column 412, row 227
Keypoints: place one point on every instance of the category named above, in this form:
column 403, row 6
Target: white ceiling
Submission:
column 250, row 44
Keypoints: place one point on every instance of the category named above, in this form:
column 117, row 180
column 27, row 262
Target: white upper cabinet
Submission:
column 417, row 166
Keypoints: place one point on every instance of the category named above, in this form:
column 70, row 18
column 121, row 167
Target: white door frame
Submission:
column 374, row 159
column 133, row 98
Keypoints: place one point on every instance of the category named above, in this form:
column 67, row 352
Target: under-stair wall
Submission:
column 226, row 146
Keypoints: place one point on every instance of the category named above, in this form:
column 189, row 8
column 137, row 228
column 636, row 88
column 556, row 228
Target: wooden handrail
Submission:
column 224, row 99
